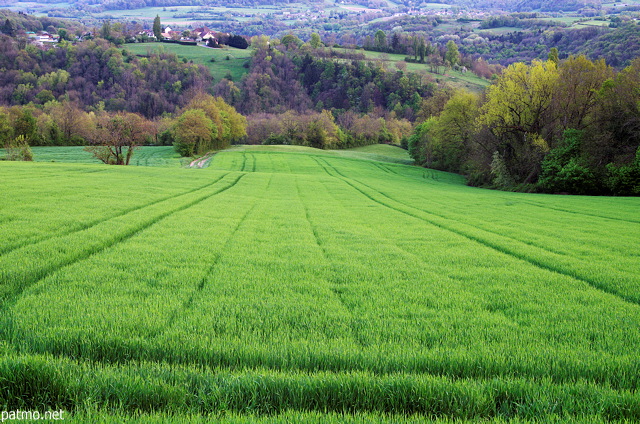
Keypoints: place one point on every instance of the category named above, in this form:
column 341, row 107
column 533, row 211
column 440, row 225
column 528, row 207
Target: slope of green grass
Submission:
column 284, row 284
column 376, row 152
column 228, row 60
column 143, row 156
column 458, row 79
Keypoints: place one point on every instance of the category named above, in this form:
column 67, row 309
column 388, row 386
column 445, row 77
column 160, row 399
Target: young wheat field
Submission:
column 294, row 285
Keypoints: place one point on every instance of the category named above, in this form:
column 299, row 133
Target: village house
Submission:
column 147, row 33
column 42, row 38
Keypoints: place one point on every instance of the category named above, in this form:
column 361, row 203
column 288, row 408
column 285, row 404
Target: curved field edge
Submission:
column 164, row 156
column 152, row 388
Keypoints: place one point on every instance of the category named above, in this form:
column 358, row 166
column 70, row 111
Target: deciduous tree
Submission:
column 194, row 133
column 115, row 137
column 576, row 94
column 230, row 125
column 454, row 131
column 518, row 112
column 452, row 56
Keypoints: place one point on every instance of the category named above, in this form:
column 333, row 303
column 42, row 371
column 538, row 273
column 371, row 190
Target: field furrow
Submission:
column 206, row 277
column 622, row 281
column 7, row 248
column 613, row 218
column 44, row 258
column 626, row 286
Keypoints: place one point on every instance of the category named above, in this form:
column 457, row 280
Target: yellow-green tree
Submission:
column 315, row 40
column 453, row 131
column 576, row 95
column 194, row 133
column 452, row 56
column 230, row 125
column 519, row 113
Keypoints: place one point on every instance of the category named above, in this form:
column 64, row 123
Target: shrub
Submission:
column 19, row 150
column 564, row 170
column 625, row 180
column 501, row 177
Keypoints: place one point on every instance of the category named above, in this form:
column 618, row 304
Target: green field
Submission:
column 210, row 13
column 144, row 156
column 285, row 284
column 499, row 30
column 593, row 22
column 201, row 55
column 466, row 80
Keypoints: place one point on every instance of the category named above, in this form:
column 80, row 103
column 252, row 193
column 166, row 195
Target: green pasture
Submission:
column 467, row 80
column 166, row 14
column 569, row 20
column 498, row 30
column 435, row 6
column 32, row 7
column 375, row 152
column 593, row 22
column 143, row 156
column 287, row 284
column 201, row 55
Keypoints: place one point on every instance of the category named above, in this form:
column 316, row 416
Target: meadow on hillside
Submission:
column 223, row 63
column 284, row 284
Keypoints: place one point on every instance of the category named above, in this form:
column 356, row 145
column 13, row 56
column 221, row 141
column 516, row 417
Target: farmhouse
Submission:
column 42, row 38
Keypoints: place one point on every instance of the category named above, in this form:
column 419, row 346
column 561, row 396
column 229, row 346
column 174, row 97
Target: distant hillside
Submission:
column 557, row 5
column 618, row 47
column 516, row 5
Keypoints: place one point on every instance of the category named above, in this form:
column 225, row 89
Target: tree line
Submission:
column 206, row 123
column 570, row 126
column 299, row 77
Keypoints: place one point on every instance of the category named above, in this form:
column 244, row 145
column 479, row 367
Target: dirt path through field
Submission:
column 201, row 162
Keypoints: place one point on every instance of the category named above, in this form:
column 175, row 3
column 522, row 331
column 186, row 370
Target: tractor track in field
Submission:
column 532, row 244
column 480, row 225
column 244, row 162
column 538, row 205
column 39, row 274
column 473, row 225
column 383, row 168
column 492, row 245
column 418, row 259
column 8, row 249
column 188, row 303
column 476, row 226
column 333, row 280
column 335, row 289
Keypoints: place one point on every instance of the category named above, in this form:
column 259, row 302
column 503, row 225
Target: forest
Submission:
column 570, row 126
